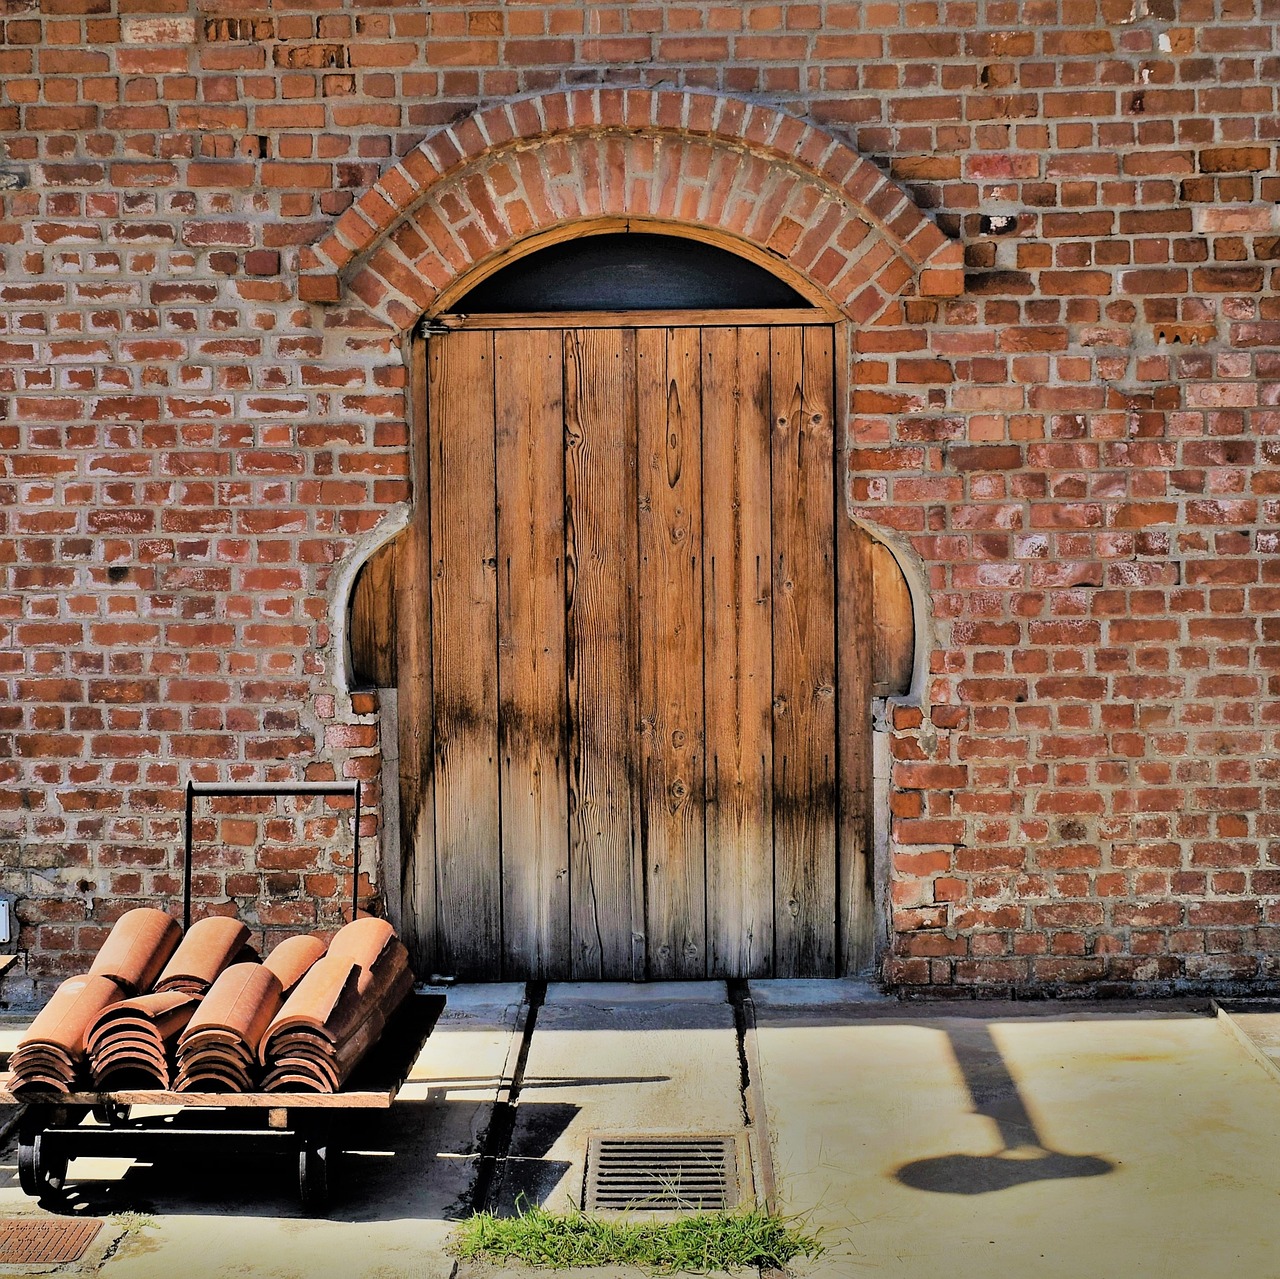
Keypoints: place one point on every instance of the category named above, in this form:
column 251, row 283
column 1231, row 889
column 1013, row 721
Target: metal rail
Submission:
column 226, row 790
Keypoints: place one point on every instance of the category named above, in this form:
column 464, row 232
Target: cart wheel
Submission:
column 27, row 1167
column 114, row 1114
column 39, row 1174
column 313, row 1178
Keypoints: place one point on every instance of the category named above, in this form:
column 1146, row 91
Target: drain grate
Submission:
column 38, row 1241
column 658, row 1173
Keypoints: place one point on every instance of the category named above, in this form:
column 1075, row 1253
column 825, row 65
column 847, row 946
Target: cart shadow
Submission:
column 418, row 1159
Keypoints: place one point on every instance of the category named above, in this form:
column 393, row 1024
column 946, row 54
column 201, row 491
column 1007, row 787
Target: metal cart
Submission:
column 297, row 1125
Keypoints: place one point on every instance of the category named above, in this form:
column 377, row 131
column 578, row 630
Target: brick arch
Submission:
column 490, row 186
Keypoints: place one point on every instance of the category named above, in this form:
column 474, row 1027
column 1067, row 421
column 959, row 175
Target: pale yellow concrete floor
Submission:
column 921, row 1141
column 1065, row 1143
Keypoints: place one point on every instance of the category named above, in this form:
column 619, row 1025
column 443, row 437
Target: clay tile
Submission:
column 211, row 1080
column 292, row 958
column 133, row 1059
column 300, row 1076
column 209, row 946
column 243, row 1001
column 362, row 940
column 42, row 1081
column 330, row 986
column 128, row 1073
column 338, row 1010
column 138, row 947
column 43, row 1053
column 164, row 1014
column 63, row 1021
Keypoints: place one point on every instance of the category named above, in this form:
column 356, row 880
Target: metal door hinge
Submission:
column 429, row 327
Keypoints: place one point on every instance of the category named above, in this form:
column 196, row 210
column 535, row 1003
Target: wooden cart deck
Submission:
column 373, row 1085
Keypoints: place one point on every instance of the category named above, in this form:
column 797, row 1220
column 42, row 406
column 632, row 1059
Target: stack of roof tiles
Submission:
column 218, row 1051
column 131, row 1043
column 209, row 946
column 337, row 1011
column 303, row 1018
column 52, row 1053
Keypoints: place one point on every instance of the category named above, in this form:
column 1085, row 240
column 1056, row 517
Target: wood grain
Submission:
column 804, row 660
column 463, row 637
column 894, row 647
column 669, row 531
column 371, row 631
column 636, row 636
column 532, row 727
column 738, row 644
column 605, row 873
column 413, row 667
column 855, row 887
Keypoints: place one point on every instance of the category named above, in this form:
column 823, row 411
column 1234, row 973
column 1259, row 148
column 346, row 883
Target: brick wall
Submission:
column 1079, row 450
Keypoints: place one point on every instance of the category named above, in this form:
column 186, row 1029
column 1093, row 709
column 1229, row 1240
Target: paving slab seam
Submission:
column 497, row 1140
column 755, row 1117
column 1233, row 1027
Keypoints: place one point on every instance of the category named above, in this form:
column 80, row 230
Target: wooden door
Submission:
column 636, row 746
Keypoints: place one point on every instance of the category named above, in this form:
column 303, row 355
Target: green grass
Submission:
column 697, row 1242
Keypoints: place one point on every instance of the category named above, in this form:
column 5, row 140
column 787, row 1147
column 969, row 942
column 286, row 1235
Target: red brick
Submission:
column 1068, row 445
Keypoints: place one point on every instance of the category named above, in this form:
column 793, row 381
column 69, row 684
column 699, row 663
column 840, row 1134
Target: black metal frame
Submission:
column 225, row 790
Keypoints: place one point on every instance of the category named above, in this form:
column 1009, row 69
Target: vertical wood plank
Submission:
column 463, row 632
column 856, row 850
column 669, row 532
column 371, row 632
column 894, row 634
column 804, row 659
column 413, row 667
column 532, row 731
column 600, row 562
column 737, row 578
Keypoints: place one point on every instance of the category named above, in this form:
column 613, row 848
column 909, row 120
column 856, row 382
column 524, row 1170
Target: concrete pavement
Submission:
column 976, row 1139
column 1022, row 1140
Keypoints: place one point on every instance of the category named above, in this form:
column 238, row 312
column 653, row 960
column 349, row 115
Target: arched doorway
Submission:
column 522, row 175
column 634, row 627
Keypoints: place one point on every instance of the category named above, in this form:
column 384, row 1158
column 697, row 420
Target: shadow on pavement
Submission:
column 995, row 1094
column 416, row 1160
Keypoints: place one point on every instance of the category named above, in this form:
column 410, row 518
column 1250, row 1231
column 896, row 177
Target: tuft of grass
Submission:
column 698, row 1242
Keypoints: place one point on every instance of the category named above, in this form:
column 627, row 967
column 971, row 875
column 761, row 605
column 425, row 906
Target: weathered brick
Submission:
column 1068, row 444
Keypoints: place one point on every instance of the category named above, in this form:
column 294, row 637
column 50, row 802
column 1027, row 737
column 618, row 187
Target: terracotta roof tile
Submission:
column 53, row 1049
column 362, row 940
column 138, row 947
column 210, row 946
column 338, row 1010
column 292, row 958
column 131, row 1043
column 218, row 1047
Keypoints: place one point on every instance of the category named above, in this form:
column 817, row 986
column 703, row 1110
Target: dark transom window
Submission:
column 629, row 271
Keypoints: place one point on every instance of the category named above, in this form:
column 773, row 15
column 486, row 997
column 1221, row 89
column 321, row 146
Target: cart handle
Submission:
column 222, row 790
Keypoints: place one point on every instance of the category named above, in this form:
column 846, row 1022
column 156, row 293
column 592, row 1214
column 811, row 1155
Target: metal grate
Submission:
column 45, row 1241
column 658, row 1173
